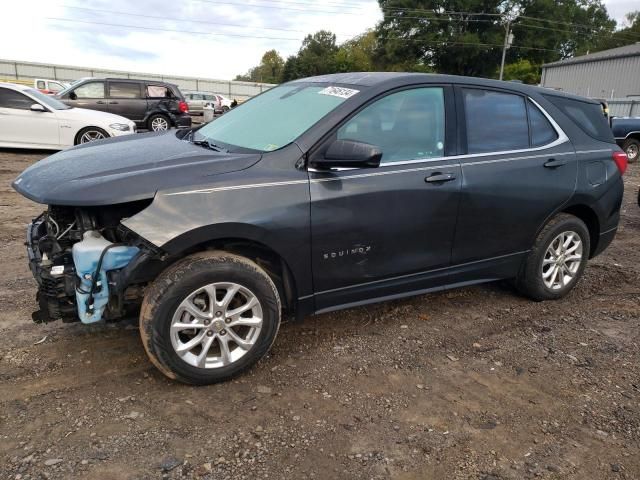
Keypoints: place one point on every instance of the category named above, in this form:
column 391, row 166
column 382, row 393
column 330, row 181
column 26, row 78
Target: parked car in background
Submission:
column 322, row 194
column 197, row 101
column 626, row 130
column 49, row 87
column 152, row 105
column 32, row 119
column 223, row 103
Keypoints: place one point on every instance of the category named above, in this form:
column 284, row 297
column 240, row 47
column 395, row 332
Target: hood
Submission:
column 124, row 169
column 94, row 115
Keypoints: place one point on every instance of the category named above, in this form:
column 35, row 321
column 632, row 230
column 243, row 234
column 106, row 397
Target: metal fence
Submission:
column 26, row 72
column 624, row 107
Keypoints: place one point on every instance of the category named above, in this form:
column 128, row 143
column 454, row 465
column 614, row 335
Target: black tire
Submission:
column 225, row 109
column 632, row 148
column 530, row 280
column 88, row 131
column 158, row 118
column 165, row 294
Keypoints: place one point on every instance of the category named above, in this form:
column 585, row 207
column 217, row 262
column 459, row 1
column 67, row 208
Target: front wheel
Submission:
column 209, row 317
column 90, row 134
column 557, row 260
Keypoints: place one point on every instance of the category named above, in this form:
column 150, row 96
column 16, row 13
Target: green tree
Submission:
column 356, row 55
column 628, row 34
column 522, row 70
column 317, row 54
column 435, row 35
column 269, row 71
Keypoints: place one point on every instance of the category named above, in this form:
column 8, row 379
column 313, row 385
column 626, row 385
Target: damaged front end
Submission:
column 84, row 260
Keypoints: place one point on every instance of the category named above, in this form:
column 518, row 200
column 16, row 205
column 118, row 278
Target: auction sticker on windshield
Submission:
column 339, row 92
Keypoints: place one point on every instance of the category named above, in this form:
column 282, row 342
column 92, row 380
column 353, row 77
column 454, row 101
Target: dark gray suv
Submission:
column 321, row 194
column 156, row 106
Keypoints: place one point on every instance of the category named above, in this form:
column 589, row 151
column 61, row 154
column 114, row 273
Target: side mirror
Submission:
column 36, row 107
column 73, row 96
column 349, row 154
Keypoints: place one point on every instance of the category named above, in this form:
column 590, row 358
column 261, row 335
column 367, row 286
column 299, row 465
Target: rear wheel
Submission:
column 159, row 123
column 632, row 149
column 209, row 317
column 90, row 134
column 557, row 260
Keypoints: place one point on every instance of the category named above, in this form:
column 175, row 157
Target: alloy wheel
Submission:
column 216, row 325
column 562, row 260
column 159, row 124
column 632, row 152
column 91, row 136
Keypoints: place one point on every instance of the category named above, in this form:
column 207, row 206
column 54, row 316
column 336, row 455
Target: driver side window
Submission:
column 406, row 125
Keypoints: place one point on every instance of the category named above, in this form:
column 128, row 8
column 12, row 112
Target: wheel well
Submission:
column 272, row 263
column 589, row 217
column 76, row 139
column 634, row 136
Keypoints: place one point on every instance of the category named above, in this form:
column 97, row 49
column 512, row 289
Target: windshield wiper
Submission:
column 206, row 143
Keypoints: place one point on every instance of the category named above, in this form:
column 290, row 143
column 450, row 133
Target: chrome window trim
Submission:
column 562, row 138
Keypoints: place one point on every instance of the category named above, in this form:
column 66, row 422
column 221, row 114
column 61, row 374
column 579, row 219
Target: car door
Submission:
column 126, row 99
column 386, row 231
column 20, row 125
column 519, row 168
column 89, row 95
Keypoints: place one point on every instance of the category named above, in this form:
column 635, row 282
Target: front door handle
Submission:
column 101, row 102
column 553, row 163
column 440, row 178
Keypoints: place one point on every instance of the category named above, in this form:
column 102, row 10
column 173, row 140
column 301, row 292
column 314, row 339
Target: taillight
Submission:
column 621, row 161
column 183, row 107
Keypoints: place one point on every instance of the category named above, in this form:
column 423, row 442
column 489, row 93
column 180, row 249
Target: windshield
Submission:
column 48, row 100
column 275, row 118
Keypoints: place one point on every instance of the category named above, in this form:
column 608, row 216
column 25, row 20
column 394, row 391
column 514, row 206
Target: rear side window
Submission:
column 124, row 90
column 588, row 116
column 542, row 132
column 41, row 85
column 158, row 91
column 16, row 100
column 495, row 121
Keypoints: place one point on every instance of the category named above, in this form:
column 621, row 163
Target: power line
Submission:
column 174, row 19
column 454, row 43
column 139, row 15
column 170, row 30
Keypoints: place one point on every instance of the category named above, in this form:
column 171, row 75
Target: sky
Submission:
column 225, row 37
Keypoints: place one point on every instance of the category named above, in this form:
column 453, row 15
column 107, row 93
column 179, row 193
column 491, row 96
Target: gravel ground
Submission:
column 472, row 383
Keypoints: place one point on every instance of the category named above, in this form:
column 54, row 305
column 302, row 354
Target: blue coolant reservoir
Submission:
column 86, row 255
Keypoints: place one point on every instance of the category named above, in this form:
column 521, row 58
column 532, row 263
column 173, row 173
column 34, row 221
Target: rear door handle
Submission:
column 113, row 103
column 440, row 178
column 553, row 163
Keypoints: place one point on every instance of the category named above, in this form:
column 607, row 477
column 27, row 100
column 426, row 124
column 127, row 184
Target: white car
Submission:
column 31, row 119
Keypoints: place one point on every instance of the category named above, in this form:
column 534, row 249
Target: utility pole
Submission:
column 508, row 40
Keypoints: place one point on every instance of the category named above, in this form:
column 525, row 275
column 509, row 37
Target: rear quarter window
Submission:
column 588, row 116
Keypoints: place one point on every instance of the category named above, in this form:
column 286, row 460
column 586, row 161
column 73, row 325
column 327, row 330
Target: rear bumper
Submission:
column 182, row 121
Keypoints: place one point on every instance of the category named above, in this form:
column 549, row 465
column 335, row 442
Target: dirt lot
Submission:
column 473, row 383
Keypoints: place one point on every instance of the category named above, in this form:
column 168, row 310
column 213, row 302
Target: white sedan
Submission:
column 31, row 119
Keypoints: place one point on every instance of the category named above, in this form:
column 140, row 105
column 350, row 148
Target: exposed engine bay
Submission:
column 84, row 261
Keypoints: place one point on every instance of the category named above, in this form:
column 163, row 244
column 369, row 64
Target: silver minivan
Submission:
column 197, row 101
